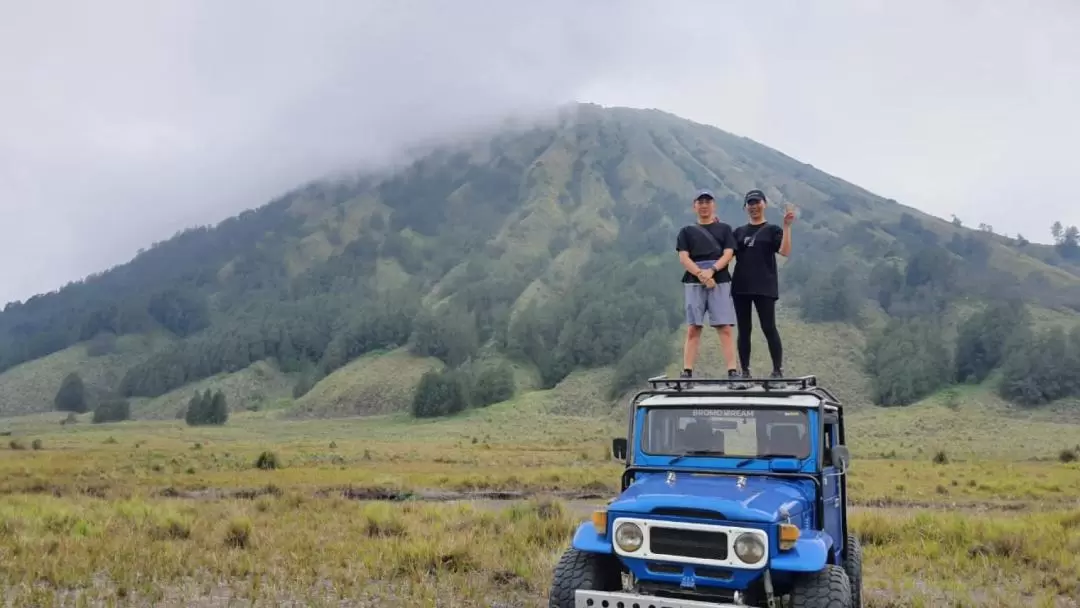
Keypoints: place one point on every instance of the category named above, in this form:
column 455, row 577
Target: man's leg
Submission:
column 766, row 310
column 744, row 316
column 694, row 299
column 690, row 349
column 722, row 317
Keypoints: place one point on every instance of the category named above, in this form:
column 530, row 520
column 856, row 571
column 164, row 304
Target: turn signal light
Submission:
column 788, row 535
column 599, row 521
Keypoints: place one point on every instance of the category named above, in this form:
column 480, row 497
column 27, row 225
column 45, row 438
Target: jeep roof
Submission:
column 749, row 399
column 802, row 391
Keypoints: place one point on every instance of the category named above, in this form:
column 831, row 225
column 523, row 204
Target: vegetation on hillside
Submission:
column 551, row 247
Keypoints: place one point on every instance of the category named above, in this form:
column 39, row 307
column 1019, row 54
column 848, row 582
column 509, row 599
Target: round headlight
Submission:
column 749, row 548
column 628, row 536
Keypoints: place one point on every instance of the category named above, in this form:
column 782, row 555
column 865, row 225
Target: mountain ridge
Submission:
column 502, row 235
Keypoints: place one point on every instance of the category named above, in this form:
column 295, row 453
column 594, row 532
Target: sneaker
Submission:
column 686, row 374
column 735, row 375
column 746, row 373
column 777, row 374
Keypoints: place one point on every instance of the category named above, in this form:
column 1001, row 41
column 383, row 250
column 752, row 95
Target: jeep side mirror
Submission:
column 618, row 448
column 841, row 457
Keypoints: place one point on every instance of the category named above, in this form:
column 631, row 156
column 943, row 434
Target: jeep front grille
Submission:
column 698, row 544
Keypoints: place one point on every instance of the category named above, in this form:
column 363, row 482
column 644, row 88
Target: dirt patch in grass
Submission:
column 377, row 494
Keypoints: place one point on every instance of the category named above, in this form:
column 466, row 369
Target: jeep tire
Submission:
column 827, row 588
column 853, row 568
column 580, row 570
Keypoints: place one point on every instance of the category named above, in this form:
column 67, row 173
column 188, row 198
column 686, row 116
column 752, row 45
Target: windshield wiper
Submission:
column 695, row 453
column 743, row 463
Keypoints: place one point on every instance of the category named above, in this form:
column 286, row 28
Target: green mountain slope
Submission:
column 549, row 250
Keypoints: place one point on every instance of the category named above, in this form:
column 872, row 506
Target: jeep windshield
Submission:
column 732, row 431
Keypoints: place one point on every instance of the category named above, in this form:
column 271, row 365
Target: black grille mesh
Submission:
column 688, row 543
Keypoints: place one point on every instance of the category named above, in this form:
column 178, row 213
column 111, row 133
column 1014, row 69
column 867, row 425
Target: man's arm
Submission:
column 689, row 265
column 682, row 245
column 724, row 260
column 729, row 251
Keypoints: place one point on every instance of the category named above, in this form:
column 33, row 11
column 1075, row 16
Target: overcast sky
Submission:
column 122, row 122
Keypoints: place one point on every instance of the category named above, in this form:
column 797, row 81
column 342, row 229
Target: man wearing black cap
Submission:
column 754, row 282
column 705, row 250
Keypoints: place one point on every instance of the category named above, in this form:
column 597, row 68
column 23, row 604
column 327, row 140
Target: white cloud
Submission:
column 124, row 122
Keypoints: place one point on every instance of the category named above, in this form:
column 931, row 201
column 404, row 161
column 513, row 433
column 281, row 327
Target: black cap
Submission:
column 704, row 194
column 755, row 195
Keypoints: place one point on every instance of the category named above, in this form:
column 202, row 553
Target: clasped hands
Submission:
column 706, row 277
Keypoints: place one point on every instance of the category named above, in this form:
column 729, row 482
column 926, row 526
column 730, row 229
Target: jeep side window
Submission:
column 826, row 445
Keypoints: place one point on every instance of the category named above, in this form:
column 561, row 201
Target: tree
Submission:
column 907, row 361
column 1066, row 239
column 649, row 356
column 492, row 384
column 439, row 394
column 112, row 410
column 219, row 409
column 448, row 334
column 886, row 283
column 831, row 297
column 72, row 395
column 982, row 339
column 207, row 409
column 1041, row 367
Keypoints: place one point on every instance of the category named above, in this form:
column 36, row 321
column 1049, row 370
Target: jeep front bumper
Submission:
column 612, row 599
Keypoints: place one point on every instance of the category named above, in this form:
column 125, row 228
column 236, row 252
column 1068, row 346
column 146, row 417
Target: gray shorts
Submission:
column 715, row 302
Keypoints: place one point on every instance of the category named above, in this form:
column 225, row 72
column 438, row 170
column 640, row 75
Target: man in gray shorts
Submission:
column 705, row 250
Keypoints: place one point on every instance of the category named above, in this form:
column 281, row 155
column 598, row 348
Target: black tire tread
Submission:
column 853, row 567
column 580, row 570
column 827, row 588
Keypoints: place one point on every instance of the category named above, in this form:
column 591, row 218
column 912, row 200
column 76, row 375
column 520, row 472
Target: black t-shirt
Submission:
column 755, row 260
column 701, row 248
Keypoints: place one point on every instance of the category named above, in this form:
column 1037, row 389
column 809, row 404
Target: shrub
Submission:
column 267, row 461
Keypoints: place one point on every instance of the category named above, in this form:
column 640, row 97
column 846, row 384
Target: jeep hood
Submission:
column 757, row 499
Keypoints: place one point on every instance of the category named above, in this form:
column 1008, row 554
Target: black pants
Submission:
column 766, row 310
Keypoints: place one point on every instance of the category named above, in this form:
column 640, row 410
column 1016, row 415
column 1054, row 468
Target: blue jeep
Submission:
column 734, row 494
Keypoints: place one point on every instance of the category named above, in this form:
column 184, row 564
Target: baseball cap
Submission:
column 704, row 193
column 754, row 195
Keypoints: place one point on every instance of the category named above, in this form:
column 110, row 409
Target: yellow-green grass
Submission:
column 967, row 422
column 981, row 528
column 924, row 559
column 320, row 550
column 144, row 458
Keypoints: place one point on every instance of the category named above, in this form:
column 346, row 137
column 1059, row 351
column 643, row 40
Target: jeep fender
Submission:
column 586, row 539
column 810, row 553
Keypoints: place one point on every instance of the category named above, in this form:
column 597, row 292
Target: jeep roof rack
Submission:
column 800, row 385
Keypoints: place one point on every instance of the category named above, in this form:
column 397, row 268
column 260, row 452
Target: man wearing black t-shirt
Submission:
column 705, row 250
column 754, row 282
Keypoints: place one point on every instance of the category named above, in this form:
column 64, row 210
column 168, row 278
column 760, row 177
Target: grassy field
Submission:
column 982, row 512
